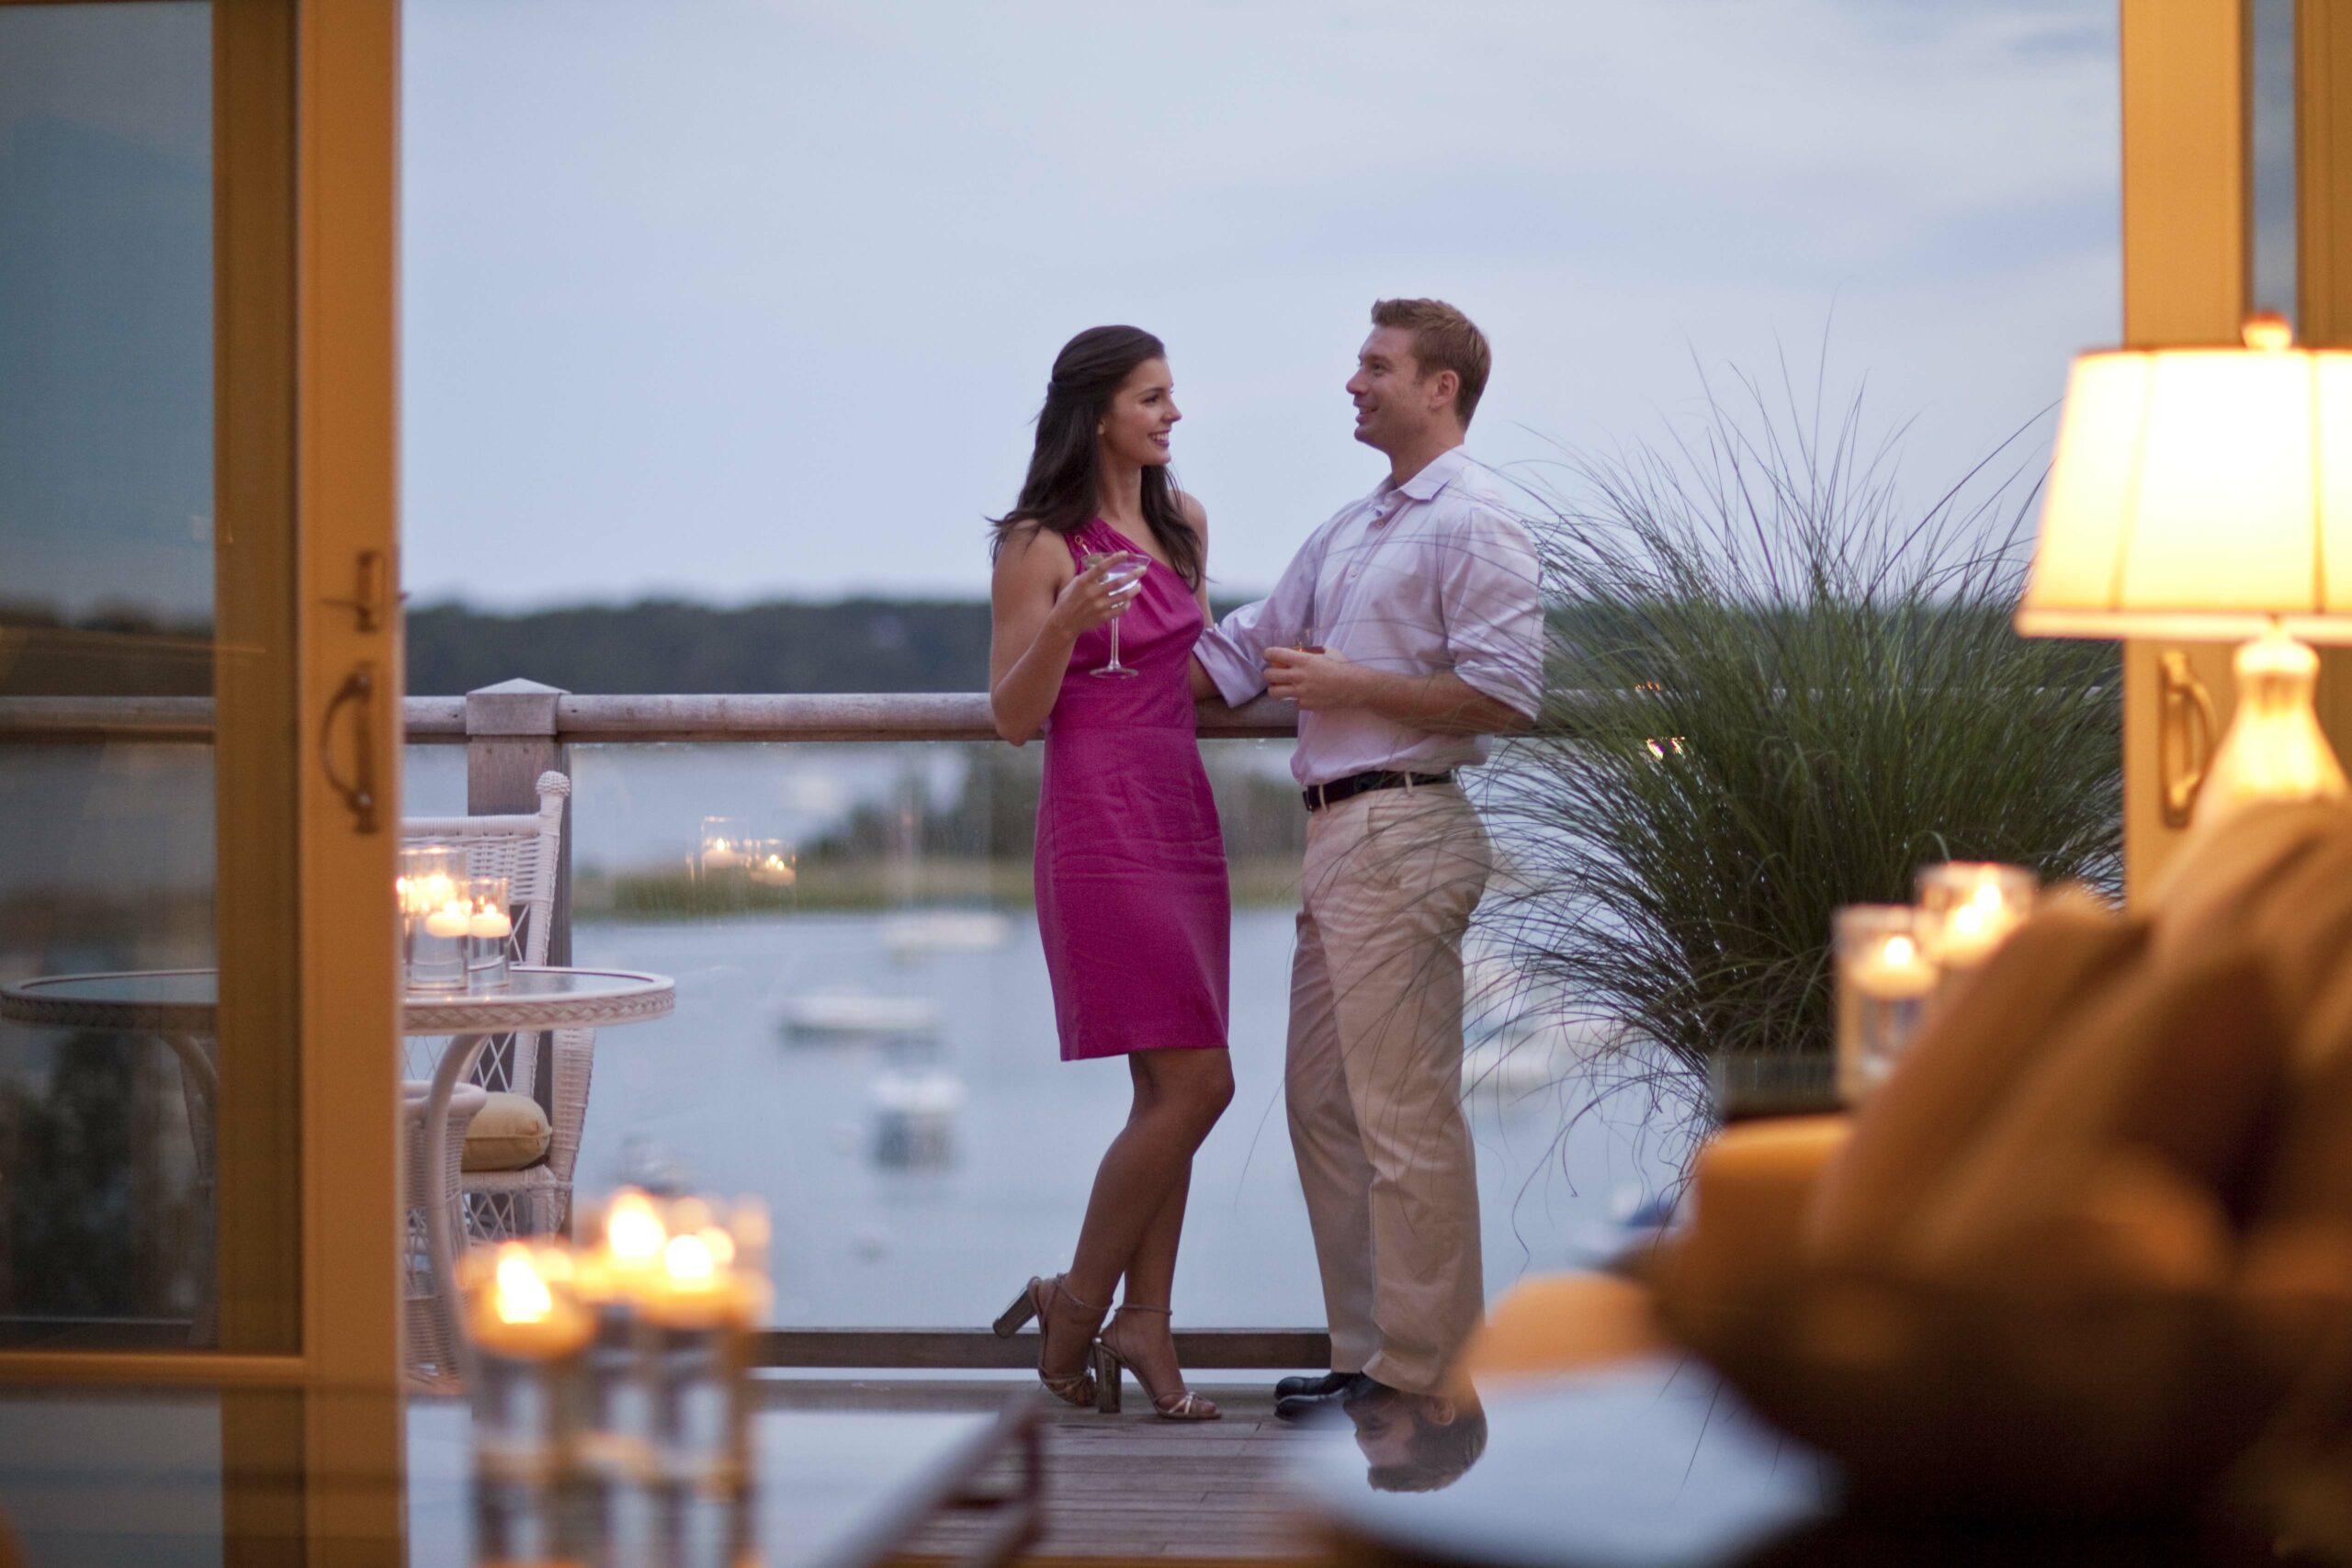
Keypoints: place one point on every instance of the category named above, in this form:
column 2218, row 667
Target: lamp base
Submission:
column 2274, row 749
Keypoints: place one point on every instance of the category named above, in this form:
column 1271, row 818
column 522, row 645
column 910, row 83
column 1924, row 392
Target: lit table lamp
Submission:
column 2205, row 495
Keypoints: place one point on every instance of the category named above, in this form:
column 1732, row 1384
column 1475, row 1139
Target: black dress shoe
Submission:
column 1298, row 1397
column 1315, row 1388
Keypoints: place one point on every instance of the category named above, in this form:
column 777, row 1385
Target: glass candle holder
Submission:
column 489, row 931
column 771, row 863
column 721, row 853
column 1967, row 909
column 435, row 914
column 615, row 1271
column 1886, row 980
column 529, row 1332
column 695, row 1317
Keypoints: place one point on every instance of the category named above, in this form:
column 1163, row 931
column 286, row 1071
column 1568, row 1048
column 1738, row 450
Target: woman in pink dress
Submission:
column 1101, row 589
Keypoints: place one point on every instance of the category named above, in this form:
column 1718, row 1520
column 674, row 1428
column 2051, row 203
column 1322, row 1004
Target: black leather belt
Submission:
column 1320, row 795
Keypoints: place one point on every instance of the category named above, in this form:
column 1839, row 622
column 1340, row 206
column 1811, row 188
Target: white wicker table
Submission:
column 179, row 1005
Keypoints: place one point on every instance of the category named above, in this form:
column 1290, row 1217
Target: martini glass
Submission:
column 1126, row 567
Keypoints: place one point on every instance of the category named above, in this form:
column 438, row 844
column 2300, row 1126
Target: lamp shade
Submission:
column 2200, row 493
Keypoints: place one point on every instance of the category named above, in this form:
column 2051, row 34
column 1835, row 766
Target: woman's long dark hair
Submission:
column 1062, row 492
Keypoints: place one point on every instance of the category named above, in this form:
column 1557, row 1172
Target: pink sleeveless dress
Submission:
column 1132, row 901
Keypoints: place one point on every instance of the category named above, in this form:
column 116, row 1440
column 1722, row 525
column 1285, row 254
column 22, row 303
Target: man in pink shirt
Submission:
column 1408, row 628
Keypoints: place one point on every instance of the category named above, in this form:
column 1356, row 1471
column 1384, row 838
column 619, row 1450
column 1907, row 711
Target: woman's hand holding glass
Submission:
column 1102, row 592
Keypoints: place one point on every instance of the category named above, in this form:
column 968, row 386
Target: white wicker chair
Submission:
column 525, row 848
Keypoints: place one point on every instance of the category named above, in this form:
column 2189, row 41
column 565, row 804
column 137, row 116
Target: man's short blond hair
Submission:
column 1443, row 339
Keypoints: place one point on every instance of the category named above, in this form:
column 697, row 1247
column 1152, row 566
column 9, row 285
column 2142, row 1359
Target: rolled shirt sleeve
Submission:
column 1234, row 650
column 1234, row 653
column 1491, row 595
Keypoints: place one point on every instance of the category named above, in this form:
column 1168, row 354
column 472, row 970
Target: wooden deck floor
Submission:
column 1126, row 1487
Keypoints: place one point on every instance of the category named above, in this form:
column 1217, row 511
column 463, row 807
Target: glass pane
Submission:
column 2272, row 135
column 868, row 1045
column 108, row 624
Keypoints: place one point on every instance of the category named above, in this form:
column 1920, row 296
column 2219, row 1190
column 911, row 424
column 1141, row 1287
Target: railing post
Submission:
column 509, row 741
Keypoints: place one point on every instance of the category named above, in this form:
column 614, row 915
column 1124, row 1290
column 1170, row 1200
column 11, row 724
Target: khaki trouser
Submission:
column 1373, row 1084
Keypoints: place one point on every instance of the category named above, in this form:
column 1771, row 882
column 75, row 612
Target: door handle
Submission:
column 357, row 691
column 369, row 594
column 2187, row 728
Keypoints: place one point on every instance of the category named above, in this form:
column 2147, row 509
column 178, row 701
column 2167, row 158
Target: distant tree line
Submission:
column 854, row 645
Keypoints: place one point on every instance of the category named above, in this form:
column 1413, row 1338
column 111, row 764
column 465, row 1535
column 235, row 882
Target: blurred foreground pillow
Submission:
column 1966, row 1060
column 2039, row 1318
column 2173, row 1065
column 2212, row 888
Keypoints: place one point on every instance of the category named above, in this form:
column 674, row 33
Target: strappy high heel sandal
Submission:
column 1037, row 1300
column 1177, row 1404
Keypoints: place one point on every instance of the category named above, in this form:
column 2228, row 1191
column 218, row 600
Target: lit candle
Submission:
column 520, row 1315
column 451, row 919
column 1885, row 977
column 634, row 1236
column 489, row 922
column 1969, row 909
column 694, row 1287
column 1972, row 930
column 1895, row 971
column 717, row 855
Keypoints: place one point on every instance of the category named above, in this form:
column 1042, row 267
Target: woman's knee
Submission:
column 1213, row 1089
column 1198, row 1085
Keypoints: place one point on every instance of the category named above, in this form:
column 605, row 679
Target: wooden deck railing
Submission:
column 449, row 721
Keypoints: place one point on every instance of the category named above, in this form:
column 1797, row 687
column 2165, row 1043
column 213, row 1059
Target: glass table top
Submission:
column 1648, row 1461
column 107, row 1476
column 1653, row 1462
column 187, row 996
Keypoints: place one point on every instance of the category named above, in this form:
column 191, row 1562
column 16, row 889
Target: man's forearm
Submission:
column 1443, row 704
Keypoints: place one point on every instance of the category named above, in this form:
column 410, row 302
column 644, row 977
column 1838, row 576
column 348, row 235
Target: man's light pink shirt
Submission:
column 1430, row 576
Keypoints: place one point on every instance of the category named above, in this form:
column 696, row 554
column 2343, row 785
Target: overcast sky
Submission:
column 739, row 299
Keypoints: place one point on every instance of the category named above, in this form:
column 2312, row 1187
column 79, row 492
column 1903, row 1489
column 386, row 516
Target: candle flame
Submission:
column 688, row 1259
column 1901, row 950
column 632, row 1230
column 519, row 1295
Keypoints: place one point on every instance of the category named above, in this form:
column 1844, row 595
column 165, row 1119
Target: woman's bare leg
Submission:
column 1151, row 1273
column 1135, row 1218
column 1179, row 1096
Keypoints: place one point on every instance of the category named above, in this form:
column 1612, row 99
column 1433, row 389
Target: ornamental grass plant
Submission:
column 1773, row 688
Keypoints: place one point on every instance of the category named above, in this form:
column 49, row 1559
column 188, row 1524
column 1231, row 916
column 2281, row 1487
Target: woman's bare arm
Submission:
column 1039, row 607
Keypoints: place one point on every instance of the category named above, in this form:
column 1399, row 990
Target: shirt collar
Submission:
column 1435, row 475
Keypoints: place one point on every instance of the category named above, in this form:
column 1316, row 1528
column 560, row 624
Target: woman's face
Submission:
column 1135, row 427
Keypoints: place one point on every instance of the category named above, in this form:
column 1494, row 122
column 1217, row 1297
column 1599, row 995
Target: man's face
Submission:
column 1385, row 1427
column 1395, row 405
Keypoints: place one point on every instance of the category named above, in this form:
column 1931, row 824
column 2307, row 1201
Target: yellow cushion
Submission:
column 511, row 1134
column 1953, row 1080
